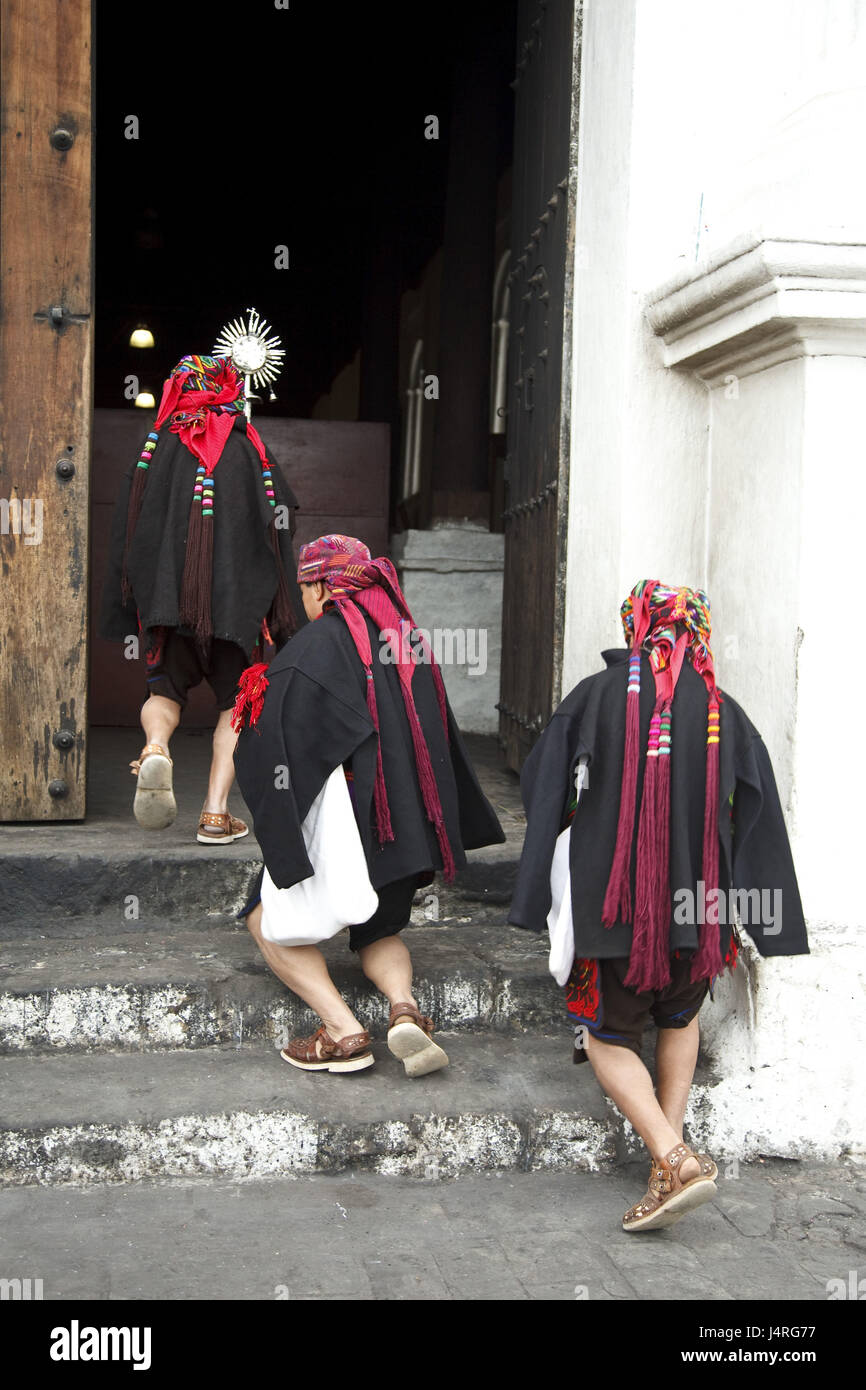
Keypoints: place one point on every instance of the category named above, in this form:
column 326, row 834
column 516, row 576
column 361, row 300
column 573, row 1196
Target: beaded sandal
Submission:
column 410, row 1038
column 154, row 806
column 667, row 1197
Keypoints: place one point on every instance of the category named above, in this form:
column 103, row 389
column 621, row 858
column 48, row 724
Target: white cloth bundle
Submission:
column 559, row 919
column 340, row 893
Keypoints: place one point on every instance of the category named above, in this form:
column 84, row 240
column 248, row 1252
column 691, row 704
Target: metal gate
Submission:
column 541, row 279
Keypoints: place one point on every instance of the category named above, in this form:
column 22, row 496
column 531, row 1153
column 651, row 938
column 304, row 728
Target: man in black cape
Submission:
column 357, row 690
column 654, row 898
column 201, row 548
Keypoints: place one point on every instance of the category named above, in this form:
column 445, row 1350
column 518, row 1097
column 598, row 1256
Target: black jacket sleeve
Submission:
column 283, row 763
column 763, row 865
column 546, row 786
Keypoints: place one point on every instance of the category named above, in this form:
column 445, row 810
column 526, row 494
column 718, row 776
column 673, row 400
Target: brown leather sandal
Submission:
column 219, row 828
column 668, row 1198
column 410, row 1038
column 319, row 1052
column 154, row 806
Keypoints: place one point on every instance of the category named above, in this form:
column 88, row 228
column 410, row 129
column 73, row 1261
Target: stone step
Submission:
column 209, row 985
column 53, row 874
column 67, row 891
column 242, row 1113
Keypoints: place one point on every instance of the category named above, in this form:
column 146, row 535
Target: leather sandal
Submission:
column 219, row 828
column 154, row 806
column 668, row 1198
column 410, row 1038
column 319, row 1052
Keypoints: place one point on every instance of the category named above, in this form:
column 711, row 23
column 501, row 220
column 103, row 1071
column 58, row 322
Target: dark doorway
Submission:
column 306, row 129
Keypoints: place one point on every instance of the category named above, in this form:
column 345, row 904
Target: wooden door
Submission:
column 541, row 280
column 45, row 400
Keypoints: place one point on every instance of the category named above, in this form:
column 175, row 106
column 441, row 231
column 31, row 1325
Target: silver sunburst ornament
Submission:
column 254, row 353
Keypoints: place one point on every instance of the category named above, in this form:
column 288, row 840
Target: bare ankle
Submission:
column 338, row 1031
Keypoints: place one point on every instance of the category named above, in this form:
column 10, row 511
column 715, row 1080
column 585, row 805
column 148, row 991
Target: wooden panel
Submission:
column 45, row 390
column 339, row 473
column 537, row 460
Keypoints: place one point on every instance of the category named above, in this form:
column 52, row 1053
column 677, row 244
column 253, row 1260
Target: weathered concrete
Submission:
column 53, row 876
column 243, row 1113
column 196, row 988
column 777, row 1231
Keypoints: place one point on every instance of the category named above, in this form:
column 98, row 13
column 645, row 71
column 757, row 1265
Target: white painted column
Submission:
column 718, row 439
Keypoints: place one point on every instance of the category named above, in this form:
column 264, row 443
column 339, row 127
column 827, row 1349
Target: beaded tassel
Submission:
column 195, row 595
column 707, row 962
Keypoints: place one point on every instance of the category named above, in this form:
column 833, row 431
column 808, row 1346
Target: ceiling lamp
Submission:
column 141, row 337
column 145, row 401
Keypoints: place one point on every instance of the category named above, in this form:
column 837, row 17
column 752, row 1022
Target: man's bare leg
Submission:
column 159, row 719
column 304, row 970
column 388, row 965
column 155, row 807
column 623, row 1076
column 676, row 1056
column 222, row 767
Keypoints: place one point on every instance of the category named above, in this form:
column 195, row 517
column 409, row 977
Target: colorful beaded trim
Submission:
column 147, row 452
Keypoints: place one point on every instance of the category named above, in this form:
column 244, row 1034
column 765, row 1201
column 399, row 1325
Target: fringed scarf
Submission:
column 668, row 624
column 357, row 582
column 201, row 398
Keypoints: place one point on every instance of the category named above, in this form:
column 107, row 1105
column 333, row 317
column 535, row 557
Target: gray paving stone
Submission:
column 470, row 1238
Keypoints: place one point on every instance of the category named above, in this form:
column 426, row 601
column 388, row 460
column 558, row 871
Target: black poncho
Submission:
column 755, row 853
column 315, row 718
column 244, row 570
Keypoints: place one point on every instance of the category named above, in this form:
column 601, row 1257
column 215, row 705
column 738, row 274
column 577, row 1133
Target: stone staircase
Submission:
column 148, row 1045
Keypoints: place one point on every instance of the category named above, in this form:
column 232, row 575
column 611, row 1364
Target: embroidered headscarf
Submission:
column 200, row 400
column 358, row 582
column 668, row 625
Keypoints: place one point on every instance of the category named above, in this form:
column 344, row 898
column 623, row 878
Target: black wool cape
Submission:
column 244, row 567
column 754, row 848
column 314, row 719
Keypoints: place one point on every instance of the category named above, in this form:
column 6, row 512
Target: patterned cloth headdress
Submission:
column 668, row 624
column 201, row 399
column 356, row 582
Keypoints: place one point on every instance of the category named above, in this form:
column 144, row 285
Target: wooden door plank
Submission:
column 45, row 403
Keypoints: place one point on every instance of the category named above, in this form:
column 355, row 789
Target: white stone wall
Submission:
column 718, row 406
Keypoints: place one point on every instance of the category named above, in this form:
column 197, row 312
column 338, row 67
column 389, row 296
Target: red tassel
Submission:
column 617, row 898
column 251, row 692
column 649, row 965
column 659, row 953
column 707, row 962
column 384, row 829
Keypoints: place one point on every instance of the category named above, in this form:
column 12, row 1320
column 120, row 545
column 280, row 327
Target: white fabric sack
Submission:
column 340, row 893
column 559, row 919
